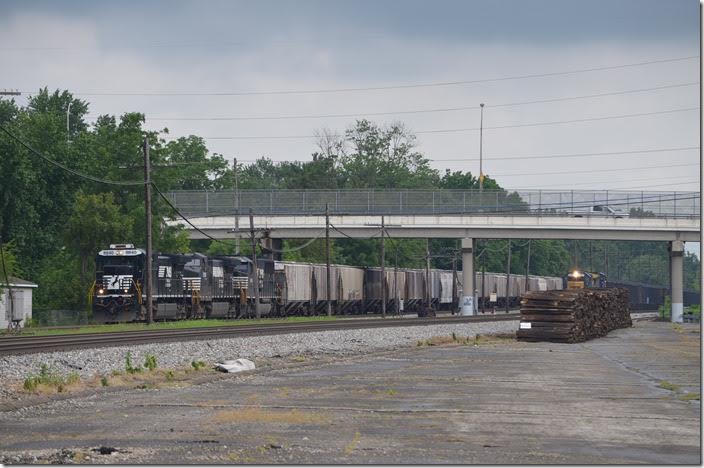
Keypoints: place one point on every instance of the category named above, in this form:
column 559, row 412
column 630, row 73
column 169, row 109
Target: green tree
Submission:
column 96, row 221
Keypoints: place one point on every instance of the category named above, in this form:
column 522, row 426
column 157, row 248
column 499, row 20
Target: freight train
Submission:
column 190, row 286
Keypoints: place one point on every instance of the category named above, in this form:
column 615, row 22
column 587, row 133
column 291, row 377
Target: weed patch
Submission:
column 349, row 448
column 150, row 362
column 48, row 381
column 669, row 386
column 690, row 396
column 129, row 368
column 198, row 365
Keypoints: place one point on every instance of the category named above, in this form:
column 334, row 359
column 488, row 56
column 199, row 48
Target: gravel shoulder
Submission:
column 94, row 363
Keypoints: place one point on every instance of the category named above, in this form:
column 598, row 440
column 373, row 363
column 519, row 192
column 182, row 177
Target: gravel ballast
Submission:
column 89, row 362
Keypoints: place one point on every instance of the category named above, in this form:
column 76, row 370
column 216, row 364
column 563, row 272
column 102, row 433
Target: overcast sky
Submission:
column 266, row 47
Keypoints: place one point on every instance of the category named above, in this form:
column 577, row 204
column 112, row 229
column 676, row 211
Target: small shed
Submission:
column 19, row 306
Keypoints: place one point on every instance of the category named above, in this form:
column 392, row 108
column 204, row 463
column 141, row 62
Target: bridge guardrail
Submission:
column 639, row 204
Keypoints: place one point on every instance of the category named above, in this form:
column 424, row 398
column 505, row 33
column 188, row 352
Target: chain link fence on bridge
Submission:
column 417, row 202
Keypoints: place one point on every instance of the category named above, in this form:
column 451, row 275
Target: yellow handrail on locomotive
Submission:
column 91, row 292
column 195, row 297
column 139, row 291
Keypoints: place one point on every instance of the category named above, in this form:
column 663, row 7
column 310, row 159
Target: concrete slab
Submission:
column 503, row 402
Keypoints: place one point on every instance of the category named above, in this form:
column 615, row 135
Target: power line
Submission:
column 692, row 181
column 574, row 155
column 457, row 130
column 292, row 249
column 559, row 122
column 417, row 111
column 176, row 210
column 607, row 182
column 383, row 88
column 515, row 158
column 640, row 168
column 65, row 168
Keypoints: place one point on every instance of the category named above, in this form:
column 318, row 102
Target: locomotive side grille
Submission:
column 192, row 284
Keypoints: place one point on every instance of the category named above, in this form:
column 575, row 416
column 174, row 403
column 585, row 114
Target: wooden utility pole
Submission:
column 397, row 306
column 237, row 209
column 454, row 280
column 383, row 272
column 483, row 289
column 327, row 259
column 427, row 273
column 148, row 211
column 508, row 274
column 528, row 265
column 255, row 270
column 606, row 261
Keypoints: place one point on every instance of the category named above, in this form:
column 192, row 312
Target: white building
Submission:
column 21, row 301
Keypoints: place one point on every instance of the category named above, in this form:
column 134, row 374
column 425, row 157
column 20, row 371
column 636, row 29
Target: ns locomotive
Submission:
column 190, row 286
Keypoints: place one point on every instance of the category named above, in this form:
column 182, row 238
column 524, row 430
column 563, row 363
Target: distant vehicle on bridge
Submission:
column 600, row 210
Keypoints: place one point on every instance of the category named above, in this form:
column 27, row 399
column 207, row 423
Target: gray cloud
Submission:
column 263, row 46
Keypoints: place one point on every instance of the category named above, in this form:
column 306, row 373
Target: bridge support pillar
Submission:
column 676, row 280
column 467, row 301
column 275, row 244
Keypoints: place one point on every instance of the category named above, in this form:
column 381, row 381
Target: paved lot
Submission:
column 502, row 402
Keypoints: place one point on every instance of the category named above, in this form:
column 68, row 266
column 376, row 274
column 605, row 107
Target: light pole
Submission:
column 68, row 114
column 237, row 208
column 481, row 131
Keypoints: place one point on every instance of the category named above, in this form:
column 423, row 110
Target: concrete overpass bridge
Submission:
column 672, row 217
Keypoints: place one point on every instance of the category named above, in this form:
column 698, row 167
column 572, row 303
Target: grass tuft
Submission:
column 198, row 365
column 47, row 380
column 150, row 362
column 690, row 396
column 129, row 368
column 669, row 386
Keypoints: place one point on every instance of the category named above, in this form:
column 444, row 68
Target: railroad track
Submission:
column 38, row 344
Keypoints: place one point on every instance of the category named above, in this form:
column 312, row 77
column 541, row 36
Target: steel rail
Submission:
column 37, row 344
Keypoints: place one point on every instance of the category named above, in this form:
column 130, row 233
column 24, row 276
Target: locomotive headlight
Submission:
column 576, row 274
column 126, row 290
column 101, row 291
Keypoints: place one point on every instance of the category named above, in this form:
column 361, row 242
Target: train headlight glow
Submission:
column 576, row 274
column 126, row 290
column 101, row 291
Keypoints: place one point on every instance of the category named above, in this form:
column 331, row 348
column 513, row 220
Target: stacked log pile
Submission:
column 573, row 315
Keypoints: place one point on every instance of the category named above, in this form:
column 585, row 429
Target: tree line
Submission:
column 52, row 222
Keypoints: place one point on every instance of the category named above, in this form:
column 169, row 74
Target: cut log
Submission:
column 573, row 315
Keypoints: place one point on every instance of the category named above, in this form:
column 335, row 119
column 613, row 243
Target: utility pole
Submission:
column 327, row 258
column 454, row 280
column 237, row 208
column 481, row 131
column 68, row 132
column 148, row 210
column 397, row 306
column 254, row 262
column 528, row 266
column 427, row 273
column 508, row 274
column 383, row 272
column 591, row 264
column 606, row 261
column 483, row 289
